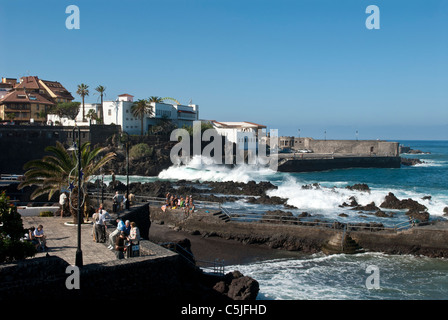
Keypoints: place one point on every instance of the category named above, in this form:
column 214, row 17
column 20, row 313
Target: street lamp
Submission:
column 78, row 257
column 127, row 169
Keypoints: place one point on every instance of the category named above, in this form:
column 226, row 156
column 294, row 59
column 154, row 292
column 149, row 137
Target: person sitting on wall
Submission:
column 40, row 237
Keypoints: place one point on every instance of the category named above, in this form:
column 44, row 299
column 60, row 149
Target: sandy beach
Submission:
column 210, row 248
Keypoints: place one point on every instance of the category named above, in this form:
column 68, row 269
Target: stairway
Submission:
column 221, row 215
column 341, row 243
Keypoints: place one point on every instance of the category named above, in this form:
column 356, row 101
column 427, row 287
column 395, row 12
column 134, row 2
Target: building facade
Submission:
column 29, row 100
column 119, row 112
column 244, row 134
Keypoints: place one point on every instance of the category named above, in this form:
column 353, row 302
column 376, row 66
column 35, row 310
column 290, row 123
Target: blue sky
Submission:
column 288, row 64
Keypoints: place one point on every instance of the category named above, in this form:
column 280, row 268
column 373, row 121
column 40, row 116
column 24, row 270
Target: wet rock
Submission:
column 369, row 207
column 238, row 287
column 359, row 187
column 410, row 162
column 392, row 202
column 421, row 216
column 272, row 216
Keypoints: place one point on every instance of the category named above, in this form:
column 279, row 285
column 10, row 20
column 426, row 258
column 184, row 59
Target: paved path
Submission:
column 62, row 240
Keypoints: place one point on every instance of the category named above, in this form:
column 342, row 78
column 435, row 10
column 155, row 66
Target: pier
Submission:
column 306, row 162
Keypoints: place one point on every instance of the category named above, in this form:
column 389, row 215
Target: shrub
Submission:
column 139, row 151
column 11, row 233
column 46, row 214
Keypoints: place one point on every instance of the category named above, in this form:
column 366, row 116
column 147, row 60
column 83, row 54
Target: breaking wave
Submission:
column 204, row 169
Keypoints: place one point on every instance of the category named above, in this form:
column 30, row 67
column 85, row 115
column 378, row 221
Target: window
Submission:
column 109, row 112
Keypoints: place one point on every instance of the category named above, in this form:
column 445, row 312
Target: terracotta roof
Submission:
column 125, row 94
column 58, row 89
column 20, row 96
column 34, row 83
column 31, row 82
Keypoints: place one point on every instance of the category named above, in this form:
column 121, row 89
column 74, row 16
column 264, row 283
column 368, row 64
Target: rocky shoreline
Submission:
column 277, row 228
column 255, row 193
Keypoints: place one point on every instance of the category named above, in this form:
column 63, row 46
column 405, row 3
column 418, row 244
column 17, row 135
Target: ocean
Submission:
column 336, row 277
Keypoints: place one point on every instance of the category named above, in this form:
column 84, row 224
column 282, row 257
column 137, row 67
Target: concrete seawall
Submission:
column 299, row 163
column 430, row 240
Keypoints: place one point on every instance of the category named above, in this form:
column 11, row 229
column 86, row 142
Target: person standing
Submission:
column 134, row 240
column 63, row 202
column 120, row 246
column 100, row 225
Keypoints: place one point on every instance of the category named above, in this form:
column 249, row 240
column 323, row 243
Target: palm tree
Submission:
column 155, row 99
column 59, row 170
column 140, row 109
column 100, row 89
column 161, row 100
column 83, row 90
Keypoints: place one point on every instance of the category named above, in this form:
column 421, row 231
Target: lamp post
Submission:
column 127, row 169
column 78, row 257
column 102, row 185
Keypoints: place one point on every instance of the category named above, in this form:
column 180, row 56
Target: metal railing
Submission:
column 281, row 219
column 214, row 267
column 263, row 218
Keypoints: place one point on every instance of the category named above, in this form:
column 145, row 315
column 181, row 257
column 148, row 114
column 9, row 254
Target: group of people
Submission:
column 37, row 237
column 125, row 236
column 121, row 239
column 119, row 201
column 178, row 202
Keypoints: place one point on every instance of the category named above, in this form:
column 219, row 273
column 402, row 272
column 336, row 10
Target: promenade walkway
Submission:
column 62, row 241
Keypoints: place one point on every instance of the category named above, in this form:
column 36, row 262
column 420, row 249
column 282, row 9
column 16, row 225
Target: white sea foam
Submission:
column 431, row 163
column 342, row 276
column 325, row 200
column 204, row 169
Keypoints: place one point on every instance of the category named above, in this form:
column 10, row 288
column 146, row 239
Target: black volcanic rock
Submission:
column 392, row 202
column 410, row 162
column 359, row 187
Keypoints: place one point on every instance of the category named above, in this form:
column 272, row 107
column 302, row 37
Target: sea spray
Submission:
column 201, row 169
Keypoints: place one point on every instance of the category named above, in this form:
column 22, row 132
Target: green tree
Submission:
column 68, row 109
column 140, row 109
column 155, row 99
column 59, row 170
column 92, row 115
column 11, row 233
column 140, row 150
column 100, row 89
column 10, row 116
column 83, row 91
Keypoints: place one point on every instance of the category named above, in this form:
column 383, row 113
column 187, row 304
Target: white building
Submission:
column 244, row 134
column 119, row 112
column 53, row 119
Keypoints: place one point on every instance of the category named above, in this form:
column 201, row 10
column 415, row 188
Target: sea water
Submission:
column 343, row 276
